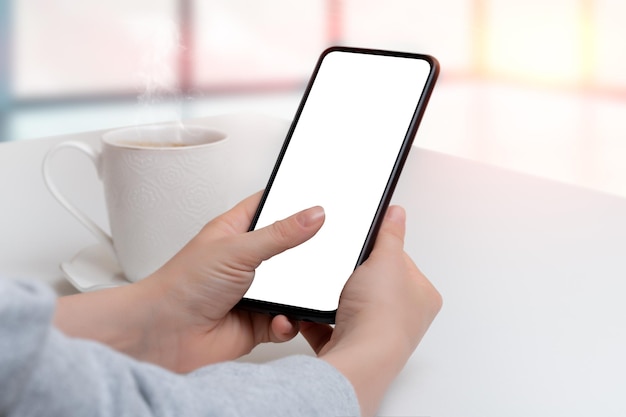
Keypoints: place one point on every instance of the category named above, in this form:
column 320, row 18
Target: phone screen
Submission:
column 360, row 112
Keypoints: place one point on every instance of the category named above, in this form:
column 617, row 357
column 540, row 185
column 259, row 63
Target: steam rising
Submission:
column 159, row 96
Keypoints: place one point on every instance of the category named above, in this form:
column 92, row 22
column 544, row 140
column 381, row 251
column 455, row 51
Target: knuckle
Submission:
column 280, row 231
column 437, row 300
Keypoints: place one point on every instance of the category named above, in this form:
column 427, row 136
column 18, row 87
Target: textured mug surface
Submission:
column 158, row 197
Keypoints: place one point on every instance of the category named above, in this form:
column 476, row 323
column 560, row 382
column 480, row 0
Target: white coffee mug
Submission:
column 162, row 183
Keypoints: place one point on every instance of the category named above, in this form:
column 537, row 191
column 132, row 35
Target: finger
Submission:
column 248, row 206
column 283, row 329
column 271, row 240
column 394, row 222
column 316, row 334
column 392, row 231
column 435, row 298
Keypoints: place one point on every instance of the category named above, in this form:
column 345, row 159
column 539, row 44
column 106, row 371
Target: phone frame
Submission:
column 306, row 314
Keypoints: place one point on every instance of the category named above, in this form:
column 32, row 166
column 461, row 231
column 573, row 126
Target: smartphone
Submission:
column 344, row 151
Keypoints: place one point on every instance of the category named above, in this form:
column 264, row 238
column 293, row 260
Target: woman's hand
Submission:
column 182, row 316
column 385, row 308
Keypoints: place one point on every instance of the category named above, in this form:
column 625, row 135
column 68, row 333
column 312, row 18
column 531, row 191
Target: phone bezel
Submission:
column 300, row 313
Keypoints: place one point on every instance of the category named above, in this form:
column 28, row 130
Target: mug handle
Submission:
column 94, row 155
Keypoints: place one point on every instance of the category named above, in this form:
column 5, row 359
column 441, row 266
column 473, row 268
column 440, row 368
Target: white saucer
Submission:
column 93, row 268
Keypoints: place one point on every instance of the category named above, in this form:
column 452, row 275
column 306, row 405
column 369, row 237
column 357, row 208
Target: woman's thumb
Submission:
column 284, row 234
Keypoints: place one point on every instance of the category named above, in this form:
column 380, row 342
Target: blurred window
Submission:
column 62, row 48
column 66, row 48
column 241, row 43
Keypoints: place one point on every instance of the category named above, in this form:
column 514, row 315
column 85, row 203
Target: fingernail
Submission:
column 311, row 216
column 396, row 214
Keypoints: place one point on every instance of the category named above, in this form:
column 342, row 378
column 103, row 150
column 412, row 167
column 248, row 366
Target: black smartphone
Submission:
column 344, row 151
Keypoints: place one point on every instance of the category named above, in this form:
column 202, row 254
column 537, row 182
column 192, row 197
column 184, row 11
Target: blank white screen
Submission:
column 340, row 157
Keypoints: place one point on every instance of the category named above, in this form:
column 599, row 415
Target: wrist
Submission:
column 370, row 366
column 118, row 317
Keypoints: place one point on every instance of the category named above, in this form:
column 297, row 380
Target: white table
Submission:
column 532, row 273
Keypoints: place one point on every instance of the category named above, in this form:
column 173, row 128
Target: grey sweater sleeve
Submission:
column 43, row 372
